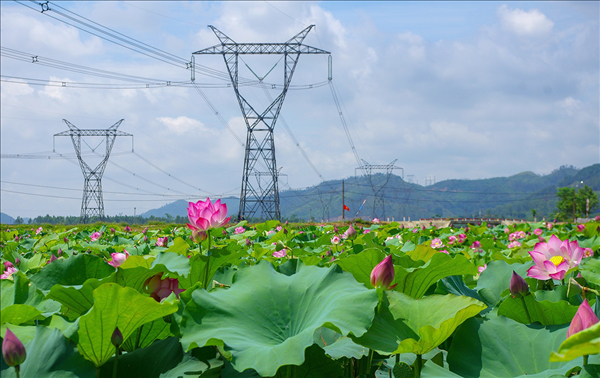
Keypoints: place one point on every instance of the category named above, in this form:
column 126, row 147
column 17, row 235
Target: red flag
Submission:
column 346, row 208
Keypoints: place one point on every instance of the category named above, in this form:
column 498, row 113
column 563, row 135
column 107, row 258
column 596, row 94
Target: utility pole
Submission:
column 256, row 199
column 92, row 203
column 343, row 204
column 378, row 190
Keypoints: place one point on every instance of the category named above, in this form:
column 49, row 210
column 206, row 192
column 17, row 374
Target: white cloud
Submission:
column 531, row 23
column 570, row 105
column 182, row 125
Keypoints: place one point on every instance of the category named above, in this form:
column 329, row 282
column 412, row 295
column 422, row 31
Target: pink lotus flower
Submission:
column 444, row 251
column 550, row 226
column 127, row 229
column 350, row 233
column 436, row 243
column 159, row 289
column 451, row 239
column 581, row 227
column 415, row 230
column 383, row 274
column 588, row 252
column 516, row 235
column 583, row 319
column 118, row 258
column 13, row 349
column 278, row 228
column 462, row 238
column 376, row 220
column 335, row 240
column 162, row 242
column 554, row 258
column 204, row 215
column 112, row 230
column 39, row 231
column 52, row 259
column 482, row 268
column 9, row 269
column 95, row 236
column 506, row 230
column 280, row 253
column 514, row 244
column 537, row 231
column 476, row 244
column 597, row 219
column 145, row 230
column 239, row 230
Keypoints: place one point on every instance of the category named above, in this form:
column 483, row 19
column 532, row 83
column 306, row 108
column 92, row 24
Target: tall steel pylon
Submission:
column 92, row 203
column 378, row 190
column 257, row 199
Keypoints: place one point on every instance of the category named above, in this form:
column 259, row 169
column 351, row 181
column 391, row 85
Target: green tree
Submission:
column 572, row 203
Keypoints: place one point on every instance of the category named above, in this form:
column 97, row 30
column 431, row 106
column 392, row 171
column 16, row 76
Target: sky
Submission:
column 447, row 90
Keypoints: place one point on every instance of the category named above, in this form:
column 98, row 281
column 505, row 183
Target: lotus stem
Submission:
column 18, row 367
column 207, row 261
column 116, row 364
column 417, row 366
column 526, row 310
column 585, row 359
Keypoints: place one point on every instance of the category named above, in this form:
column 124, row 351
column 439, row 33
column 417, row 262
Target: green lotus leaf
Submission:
column 527, row 310
column 22, row 291
column 496, row 278
column 267, row 319
column 337, row 346
column 164, row 358
column 77, row 300
column 433, row 318
column 316, row 365
column 20, row 314
column 137, row 269
column 115, row 306
column 146, row 334
column 72, row 271
column 415, row 281
column 361, row 264
column 51, row 355
column 590, row 270
column 582, row 343
column 501, row 347
column 179, row 246
column 422, row 252
column 198, row 264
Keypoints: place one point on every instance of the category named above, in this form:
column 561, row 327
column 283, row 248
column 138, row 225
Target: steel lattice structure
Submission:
column 378, row 190
column 255, row 198
column 92, row 203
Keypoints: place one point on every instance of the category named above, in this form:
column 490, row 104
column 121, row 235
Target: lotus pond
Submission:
column 305, row 301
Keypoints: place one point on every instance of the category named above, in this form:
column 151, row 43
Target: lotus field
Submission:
column 219, row 299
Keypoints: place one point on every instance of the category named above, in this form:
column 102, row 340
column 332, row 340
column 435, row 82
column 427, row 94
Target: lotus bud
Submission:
column 248, row 242
column 145, row 238
column 65, row 239
column 518, row 286
column 17, row 261
column 224, row 233
column 285, row 231
column 199, row 236
column 13, row 349
column 52, row 258
column 112, row 230
column 117, row 338
column 59, row 252
column 329, row 252
column 350, row 233
column 581, row 227
column 145, row 230
column 335, row 229
column 127, row 229
column 279, row 246
column 383, row 274
column 583, row 319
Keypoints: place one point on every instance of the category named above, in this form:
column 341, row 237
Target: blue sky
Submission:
column 451, row 89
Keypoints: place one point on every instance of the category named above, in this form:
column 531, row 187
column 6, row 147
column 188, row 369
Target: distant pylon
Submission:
column 257, row 199
column 378, row 190
column 92, row 204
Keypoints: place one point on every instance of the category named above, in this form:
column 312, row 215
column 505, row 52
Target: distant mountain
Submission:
column 179, row 207
column 6, row 219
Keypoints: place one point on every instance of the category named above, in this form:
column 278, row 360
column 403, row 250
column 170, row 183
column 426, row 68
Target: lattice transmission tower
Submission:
column 92, row 204
column 378, row 189
column 258, row 198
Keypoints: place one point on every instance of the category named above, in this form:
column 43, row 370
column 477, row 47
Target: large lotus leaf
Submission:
column 590, row 270
column 415, row 281
column 582, row 343
column 137, row 269
column 160, row 359
column 179, row 246
column 361, row 264
column 527, row 310
column 51, row 355
column 501, row 347
column 22, row 291
column 20, row 314
column 267, row 319
column 146, row 334
column 496, row 278
column 218, row 258
column 115, row 306
column 433, row 318
column 77, row 300
column 422, row 252
column 316, row 365
column 337, row 346
column 72, row 271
